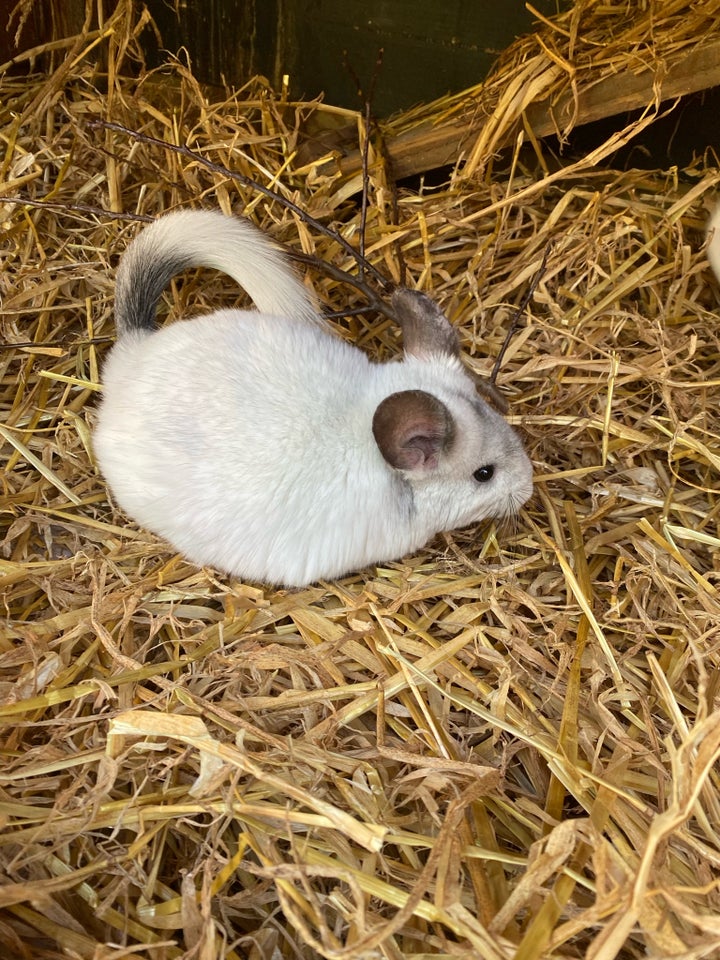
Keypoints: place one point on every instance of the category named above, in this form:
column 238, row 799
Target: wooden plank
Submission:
column 429, row 146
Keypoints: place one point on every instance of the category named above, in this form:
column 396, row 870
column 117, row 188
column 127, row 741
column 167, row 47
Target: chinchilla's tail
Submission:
column 204, row 238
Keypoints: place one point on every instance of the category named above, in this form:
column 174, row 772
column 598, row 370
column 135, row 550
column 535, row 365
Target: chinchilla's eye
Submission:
column 483, row 474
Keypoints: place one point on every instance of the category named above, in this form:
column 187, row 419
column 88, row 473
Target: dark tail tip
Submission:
column 141, row 280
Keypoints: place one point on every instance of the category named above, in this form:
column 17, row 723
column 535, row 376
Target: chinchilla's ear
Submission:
column 412, row 429
column 426, row 329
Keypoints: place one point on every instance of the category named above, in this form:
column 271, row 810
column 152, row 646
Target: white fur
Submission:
column 245, row 438
column 206, row 238
column 713, row 247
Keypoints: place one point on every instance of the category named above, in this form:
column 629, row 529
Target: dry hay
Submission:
column 594, row 61
column 503, row 747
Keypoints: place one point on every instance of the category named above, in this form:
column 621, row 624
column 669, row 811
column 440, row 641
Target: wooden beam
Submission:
column 429, row 146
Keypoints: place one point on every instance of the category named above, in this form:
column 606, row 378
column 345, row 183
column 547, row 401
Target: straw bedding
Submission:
column 503, row 747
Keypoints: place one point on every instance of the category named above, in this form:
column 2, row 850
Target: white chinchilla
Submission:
column 713, row 247
column 258, row 442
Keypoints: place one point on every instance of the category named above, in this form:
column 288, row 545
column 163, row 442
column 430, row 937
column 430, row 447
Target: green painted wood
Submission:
column 431, row 47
